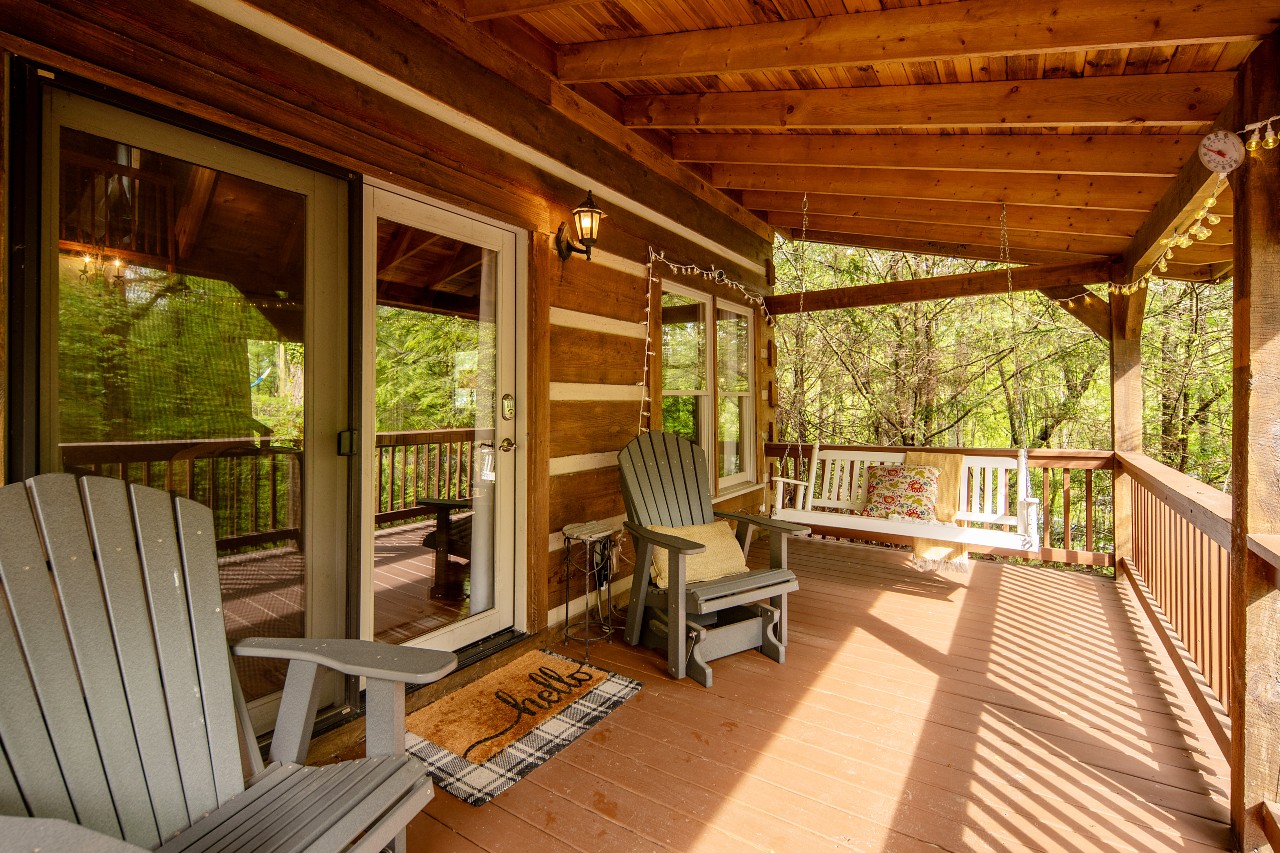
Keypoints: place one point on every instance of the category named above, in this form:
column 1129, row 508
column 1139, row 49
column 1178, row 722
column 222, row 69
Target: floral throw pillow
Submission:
column 907, row 492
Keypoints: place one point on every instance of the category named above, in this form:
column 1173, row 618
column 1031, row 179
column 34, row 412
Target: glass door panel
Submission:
column 179, row 336
column 440, row 529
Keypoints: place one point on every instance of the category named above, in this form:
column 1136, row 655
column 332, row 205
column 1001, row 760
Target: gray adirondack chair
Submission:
column 119, row 709
column 665, row 483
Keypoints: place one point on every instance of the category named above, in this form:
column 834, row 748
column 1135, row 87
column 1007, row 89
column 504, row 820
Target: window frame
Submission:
column 710, row 396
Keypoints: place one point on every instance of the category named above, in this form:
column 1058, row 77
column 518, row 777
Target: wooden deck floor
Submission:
column 1012, row 708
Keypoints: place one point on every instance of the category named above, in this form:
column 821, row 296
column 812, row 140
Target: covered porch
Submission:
column 1010, row 708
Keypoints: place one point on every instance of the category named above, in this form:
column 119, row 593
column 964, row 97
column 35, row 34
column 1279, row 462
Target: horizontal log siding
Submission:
column 579, row 427
column 595, row 357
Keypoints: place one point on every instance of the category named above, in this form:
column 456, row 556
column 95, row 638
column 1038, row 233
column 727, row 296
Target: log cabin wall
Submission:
column 315, row 100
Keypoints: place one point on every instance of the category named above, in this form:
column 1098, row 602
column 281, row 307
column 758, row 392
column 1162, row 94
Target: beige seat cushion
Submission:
column 722, row 557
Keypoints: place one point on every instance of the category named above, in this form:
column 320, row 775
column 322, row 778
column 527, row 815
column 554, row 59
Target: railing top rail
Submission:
column 1267, row 546
column 1036, row 458
column 1207, row 508
column 431, row 436
column 90, row 452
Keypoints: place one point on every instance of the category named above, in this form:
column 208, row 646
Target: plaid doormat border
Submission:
column 477, row 784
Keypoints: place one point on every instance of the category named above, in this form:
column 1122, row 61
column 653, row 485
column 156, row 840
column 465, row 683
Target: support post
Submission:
column 1255, row 461
column 1126, row 406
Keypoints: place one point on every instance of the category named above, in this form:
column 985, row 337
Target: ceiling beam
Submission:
column 1164, row 100
column 1075, row 191
column 484, row 10
column 1107, row 223
column 917, row 34
column 982, row 283
column 1149, row 156
column 1190, row 189
column 984, row 236
column 941, row 248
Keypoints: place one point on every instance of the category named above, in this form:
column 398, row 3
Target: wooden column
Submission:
column 1255, row 463
column 1126, row 404
column 542, row 267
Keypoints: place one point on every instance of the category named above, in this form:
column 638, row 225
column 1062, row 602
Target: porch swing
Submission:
column 857, row 490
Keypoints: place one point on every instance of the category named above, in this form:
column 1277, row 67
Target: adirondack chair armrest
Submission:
column 789, row 528
column 663, row 540
column 355, row 657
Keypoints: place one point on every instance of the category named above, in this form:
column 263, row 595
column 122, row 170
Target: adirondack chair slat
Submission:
column 51, row 665
column 303, row 825
column 71, row 557
column 30, row 760
column 204, row 598
column 263, row 784
column 668, row 491
column 387, row 827
column 111, row 526
column 161, row 567
column 10, row 796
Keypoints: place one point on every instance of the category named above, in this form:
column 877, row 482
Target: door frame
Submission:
column 511, row 513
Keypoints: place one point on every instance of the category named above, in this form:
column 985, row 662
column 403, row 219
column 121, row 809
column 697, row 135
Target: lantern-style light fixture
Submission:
column 586, row 220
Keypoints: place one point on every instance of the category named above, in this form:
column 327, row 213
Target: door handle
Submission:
column 507, row 445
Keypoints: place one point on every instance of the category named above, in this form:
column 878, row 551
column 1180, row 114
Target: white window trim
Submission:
column 747, row 474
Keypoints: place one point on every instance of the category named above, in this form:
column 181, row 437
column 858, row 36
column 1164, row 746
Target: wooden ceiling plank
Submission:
column 984, row 283
column 984, row 236
column 1113, row 223
column 486, row 10
column 991, row 28
column 943, row 249
column 1190, row 189
column 1179, row 100
column 1150, row 156
column 1073, row 191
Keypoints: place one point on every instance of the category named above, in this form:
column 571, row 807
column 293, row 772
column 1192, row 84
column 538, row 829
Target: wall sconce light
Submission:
column 586, row 219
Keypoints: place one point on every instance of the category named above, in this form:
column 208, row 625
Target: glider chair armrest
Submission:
column 387, row 669
column 778, row 533
column 664, row 540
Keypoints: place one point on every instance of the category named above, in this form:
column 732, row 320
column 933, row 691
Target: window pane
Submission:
column 729, row 445
column 682, row 416
column 684, row 343
column 180, row 359
column 732, row 356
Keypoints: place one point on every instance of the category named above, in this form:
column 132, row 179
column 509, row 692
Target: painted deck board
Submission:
column 1012, row 708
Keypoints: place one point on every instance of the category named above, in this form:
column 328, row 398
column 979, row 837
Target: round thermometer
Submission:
column 1221, row 151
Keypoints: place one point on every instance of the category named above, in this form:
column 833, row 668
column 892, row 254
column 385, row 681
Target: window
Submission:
column 734, row 448
column 689, row 357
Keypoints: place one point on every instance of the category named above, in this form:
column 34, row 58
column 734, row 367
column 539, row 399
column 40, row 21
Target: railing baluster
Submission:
column 1088, row 509
column 1066, row 508
column 1046, row 506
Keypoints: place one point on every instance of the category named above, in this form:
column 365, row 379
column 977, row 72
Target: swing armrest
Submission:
column 801, row 487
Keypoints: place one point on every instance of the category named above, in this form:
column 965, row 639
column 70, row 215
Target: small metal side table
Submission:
column 588, row 550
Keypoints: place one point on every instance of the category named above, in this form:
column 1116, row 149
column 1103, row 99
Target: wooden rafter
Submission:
column 973, row 251
column 1111, row 223
column 1193, row 185
column 1074, row 191
column 918, row 34
column 982, row 283
column 1084, row 244
column 1150, row 156
column 1094, row 311
column 1166, row 100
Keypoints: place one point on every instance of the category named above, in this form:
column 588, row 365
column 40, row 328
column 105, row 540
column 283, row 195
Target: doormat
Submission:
column 484, row 738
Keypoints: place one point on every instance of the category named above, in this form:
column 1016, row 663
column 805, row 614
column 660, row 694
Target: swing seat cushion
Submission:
column 906, row 492
column 723, row 556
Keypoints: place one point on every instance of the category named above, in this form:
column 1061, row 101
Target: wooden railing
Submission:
column 253, row 484
column 1076, row 504
column 428, row 464
column 1180, row 568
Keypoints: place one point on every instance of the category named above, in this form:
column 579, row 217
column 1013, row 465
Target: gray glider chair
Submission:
column 121, row 723
column 665, row 485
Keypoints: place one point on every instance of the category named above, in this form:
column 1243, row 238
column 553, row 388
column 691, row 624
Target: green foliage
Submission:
column 430, row 370
column 1010, row 370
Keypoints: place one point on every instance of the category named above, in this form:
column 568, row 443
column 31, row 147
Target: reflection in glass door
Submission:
column 441, row 534
column 182, row 278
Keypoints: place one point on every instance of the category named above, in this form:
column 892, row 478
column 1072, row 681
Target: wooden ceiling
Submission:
column 906, row 125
